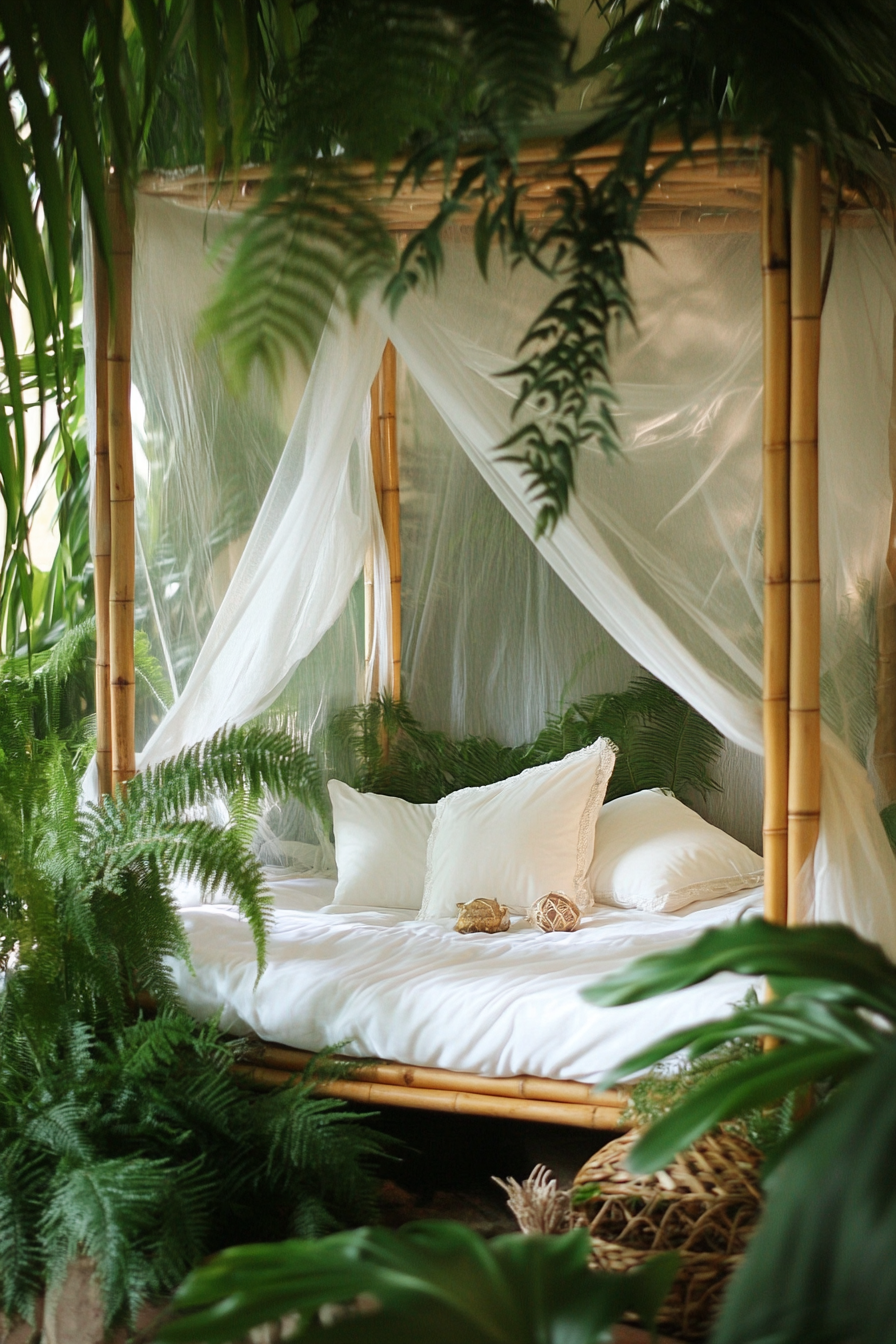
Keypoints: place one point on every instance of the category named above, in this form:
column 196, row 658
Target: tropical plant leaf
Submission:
column 745, row 1086
column 820, row 958
column 799, row 1018
column 139, row 1145
column 818, row 1267
column 440, row 1280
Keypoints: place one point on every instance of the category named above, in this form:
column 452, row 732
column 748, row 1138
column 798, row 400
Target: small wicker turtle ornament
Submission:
column 554, row 913
column 482, row 916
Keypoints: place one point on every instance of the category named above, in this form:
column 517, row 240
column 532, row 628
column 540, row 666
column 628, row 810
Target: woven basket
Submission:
column 703, row 1205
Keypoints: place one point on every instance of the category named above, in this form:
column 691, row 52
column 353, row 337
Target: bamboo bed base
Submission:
column 548, row 1100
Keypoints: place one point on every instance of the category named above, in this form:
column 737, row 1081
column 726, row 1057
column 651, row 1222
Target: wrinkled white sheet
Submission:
column 383, row 985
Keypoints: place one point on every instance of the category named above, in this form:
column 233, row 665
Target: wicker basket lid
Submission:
column 719, row 1166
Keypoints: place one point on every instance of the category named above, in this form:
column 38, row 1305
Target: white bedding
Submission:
column 382, row 984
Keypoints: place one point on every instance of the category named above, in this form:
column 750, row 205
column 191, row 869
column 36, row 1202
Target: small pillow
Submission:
column 380, row 848
column 653, row 853
column 515, row 840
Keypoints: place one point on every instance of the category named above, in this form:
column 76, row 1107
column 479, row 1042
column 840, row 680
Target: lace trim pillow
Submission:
column 517, row 839
column 653, row 853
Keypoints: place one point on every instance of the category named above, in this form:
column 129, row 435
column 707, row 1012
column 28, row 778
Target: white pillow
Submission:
column 520, row 838
column 653, row 853
column 380, row 848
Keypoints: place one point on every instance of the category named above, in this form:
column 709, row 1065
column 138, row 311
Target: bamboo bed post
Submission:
column 776, row 527
column 804, row 784
column 371, row 663
column 391, row 503
column 885, row 730
column 103, row 531
column 121, row 480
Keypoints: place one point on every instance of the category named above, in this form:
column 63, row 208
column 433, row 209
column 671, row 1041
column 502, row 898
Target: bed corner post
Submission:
column 804, row 785
column 391, row 502
column 384, row 456
column 776, row 528
column 102, row 545
column 121, row 483
column 371, row 662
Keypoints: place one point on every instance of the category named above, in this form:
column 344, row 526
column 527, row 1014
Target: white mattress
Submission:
column 382, row 985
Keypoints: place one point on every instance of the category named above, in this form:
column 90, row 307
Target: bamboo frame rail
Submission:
column 121, row 482
column 698, row 195
column 804, row 781
column 102, row 529
column 548, row 1100
column 775, row 246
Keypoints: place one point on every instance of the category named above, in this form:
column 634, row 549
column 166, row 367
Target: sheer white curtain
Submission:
column 662, row 544
column 303, row 555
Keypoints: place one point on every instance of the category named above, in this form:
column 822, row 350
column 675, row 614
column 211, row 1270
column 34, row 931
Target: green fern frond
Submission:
column 309, row 239
column 105, row 1210
column 23, row 1177
column 250, row 760
column 662, row 742
column 150, row 672
column 139, row 1146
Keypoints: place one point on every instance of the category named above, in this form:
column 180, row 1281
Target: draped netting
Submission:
column 658, row 564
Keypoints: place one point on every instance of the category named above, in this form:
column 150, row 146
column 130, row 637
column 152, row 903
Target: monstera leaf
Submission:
column 826, row 981
column 433, row 1281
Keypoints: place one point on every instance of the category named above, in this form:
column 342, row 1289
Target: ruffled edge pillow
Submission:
column 380, row 848
column 495, row 840
column 654, row 853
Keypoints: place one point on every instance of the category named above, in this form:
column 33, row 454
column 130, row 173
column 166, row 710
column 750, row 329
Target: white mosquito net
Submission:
column 252, row 557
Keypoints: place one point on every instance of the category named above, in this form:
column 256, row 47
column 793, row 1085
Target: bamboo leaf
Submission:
column 108, row 20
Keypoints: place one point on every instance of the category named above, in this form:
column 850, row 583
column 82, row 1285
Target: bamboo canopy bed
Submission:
column 741, row 198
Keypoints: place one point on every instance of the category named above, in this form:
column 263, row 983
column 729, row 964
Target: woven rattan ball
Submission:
column 482, row 916
column 554, row 913
column 704, row 1206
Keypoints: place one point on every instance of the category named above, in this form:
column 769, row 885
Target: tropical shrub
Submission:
column 662, row 743
column 126, row 1137
column 137, row 1146
column 818, row 1267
